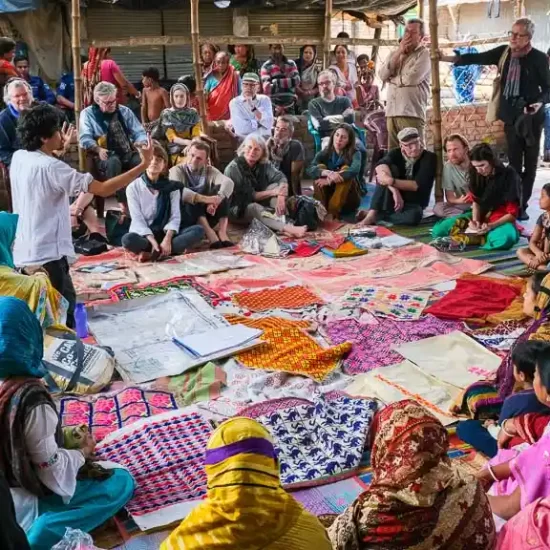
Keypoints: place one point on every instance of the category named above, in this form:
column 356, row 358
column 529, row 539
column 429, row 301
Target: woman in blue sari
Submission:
column 337, row 172
column 46, row 480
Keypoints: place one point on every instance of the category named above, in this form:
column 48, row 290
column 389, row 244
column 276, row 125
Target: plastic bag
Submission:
column 75, row 539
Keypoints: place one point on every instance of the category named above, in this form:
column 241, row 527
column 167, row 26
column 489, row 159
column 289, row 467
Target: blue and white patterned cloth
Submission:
column 320, row 439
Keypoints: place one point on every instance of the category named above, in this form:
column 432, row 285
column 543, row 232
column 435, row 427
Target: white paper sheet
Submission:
column 219, row 340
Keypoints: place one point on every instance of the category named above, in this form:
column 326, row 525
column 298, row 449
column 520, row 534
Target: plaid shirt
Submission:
column 283, row 80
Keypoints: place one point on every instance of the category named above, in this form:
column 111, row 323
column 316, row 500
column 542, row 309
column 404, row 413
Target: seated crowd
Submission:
column 171, row 198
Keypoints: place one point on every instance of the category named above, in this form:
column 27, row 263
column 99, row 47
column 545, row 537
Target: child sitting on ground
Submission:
column 537, row 255
column 483, row 435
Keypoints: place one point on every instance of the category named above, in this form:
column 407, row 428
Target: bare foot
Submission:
column 295, row 231
column 223, row 236
column 144, row 257
column 369, row 219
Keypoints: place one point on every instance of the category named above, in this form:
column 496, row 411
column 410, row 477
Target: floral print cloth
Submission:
column 402, row 305
column 104, row 414
column 373, row 346
column 316, row 441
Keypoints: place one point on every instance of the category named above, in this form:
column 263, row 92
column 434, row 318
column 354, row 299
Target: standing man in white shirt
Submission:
column 41, row 186
column 251, row 112
column 407, row 73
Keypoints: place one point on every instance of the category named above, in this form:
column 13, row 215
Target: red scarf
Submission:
column 222, row 94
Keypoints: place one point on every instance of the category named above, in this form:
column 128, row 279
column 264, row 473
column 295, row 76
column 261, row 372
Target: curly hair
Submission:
column 36, row 124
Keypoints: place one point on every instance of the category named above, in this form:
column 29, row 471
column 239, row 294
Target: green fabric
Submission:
column 502, row 237
column 8, row 228
column 443, row 227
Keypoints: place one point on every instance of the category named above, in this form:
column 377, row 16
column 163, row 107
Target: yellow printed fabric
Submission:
column 288, row 348
column 37, row 291
column 246, row 508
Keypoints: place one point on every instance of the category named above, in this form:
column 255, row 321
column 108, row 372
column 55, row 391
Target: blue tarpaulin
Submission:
column 13, row 6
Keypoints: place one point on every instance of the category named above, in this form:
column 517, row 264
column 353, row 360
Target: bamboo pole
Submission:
column 376, row 47
column 421, row 9
column 436, row 99
column 172, row 40
column 327, row 34
column 77, row 71
column 195, row 39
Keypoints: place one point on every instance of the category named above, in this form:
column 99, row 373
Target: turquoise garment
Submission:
column 21, row 340
column 8, row 228
column 211, row 83
column 93, row 503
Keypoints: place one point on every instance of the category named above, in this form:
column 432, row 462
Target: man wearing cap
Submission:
column 251, row 112
column 404, row 181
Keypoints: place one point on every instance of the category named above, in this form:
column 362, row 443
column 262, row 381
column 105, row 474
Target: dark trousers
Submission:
column 116, row 165
column 187, row 238
column 191, row 213
column 60, row 277
column 524, row 158
column 473, row 432
column 382, row 202
column 12, row 537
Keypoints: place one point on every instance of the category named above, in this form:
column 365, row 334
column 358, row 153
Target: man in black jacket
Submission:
column 404, row 181
column 525, row 88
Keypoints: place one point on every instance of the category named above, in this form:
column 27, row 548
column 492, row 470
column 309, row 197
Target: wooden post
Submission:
column 436, row 99
column 376, row 47
column 328, row 33
column 77, row 71
column 420, row 9
column 195, row 40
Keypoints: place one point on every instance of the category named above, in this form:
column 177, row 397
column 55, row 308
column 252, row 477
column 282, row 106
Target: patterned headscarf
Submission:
column 417, row 498
column 246, row 507
column 179, row 119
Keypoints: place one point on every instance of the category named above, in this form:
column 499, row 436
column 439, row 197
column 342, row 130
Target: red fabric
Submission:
column 477, row 298
column 507, row 208
column 222, row 94
column 305, row 249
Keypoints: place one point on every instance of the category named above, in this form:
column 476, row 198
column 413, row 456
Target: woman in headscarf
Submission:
column 243, row 59
column 220, row 87
column 309, row 71
column 208, row 53
column 154, row 202
column 346, row 72
column 495, row 194
column 484, row 399
column 246, row 508
column 47, row 490
column 336, row 170
column 49, row 307
column 417, row 498
column 179, row 124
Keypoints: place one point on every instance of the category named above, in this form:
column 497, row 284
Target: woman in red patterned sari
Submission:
column 417, row 499
column 221, row 86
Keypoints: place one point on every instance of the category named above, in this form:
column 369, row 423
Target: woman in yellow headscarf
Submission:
column 246, row 508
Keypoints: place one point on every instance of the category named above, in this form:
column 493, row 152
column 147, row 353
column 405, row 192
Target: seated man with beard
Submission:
column 113, row 134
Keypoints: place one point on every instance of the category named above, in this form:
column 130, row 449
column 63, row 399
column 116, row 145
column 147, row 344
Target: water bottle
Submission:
column 81, row 320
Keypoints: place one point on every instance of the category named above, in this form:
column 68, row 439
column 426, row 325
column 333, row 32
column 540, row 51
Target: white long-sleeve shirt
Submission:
column 244, row 120
column 142, row 203
column 56, row 468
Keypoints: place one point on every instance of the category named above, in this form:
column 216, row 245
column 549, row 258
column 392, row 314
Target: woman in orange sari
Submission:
column 221, row 86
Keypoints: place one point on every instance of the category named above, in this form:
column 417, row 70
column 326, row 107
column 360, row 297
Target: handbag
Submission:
column 494, row 102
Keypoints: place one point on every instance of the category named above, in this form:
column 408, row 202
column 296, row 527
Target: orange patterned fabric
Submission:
column 288, row 348
column 289, row 297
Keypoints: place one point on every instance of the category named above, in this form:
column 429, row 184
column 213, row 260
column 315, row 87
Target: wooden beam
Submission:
column 197, row 64
column 376, row 47
column 436, row 100
column 77, row 71
column 139, row 41
column 327, row 33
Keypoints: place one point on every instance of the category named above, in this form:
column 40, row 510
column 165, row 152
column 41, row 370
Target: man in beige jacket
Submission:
column 205, row 195
column 407, row 75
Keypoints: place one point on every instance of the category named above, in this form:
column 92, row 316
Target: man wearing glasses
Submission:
column 404, row 181
column 113, row 134
column 251, row 112
column 525, row 88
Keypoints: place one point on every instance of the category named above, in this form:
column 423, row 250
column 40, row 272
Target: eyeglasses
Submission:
column 512, row 34
column 107, row 103
column 249, row 84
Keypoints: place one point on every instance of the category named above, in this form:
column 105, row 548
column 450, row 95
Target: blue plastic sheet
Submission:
column 13, row 6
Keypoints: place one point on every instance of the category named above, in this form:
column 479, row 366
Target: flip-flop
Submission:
column 217, row 245
column 227, row 244
column 155, row 255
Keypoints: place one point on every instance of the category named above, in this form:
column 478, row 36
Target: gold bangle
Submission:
column 503, row 428
column 495, row 478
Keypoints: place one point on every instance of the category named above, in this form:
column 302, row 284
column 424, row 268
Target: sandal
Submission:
column 227, row 244
column 217, row 245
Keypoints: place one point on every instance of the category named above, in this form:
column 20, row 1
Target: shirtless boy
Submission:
column 155, row 98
